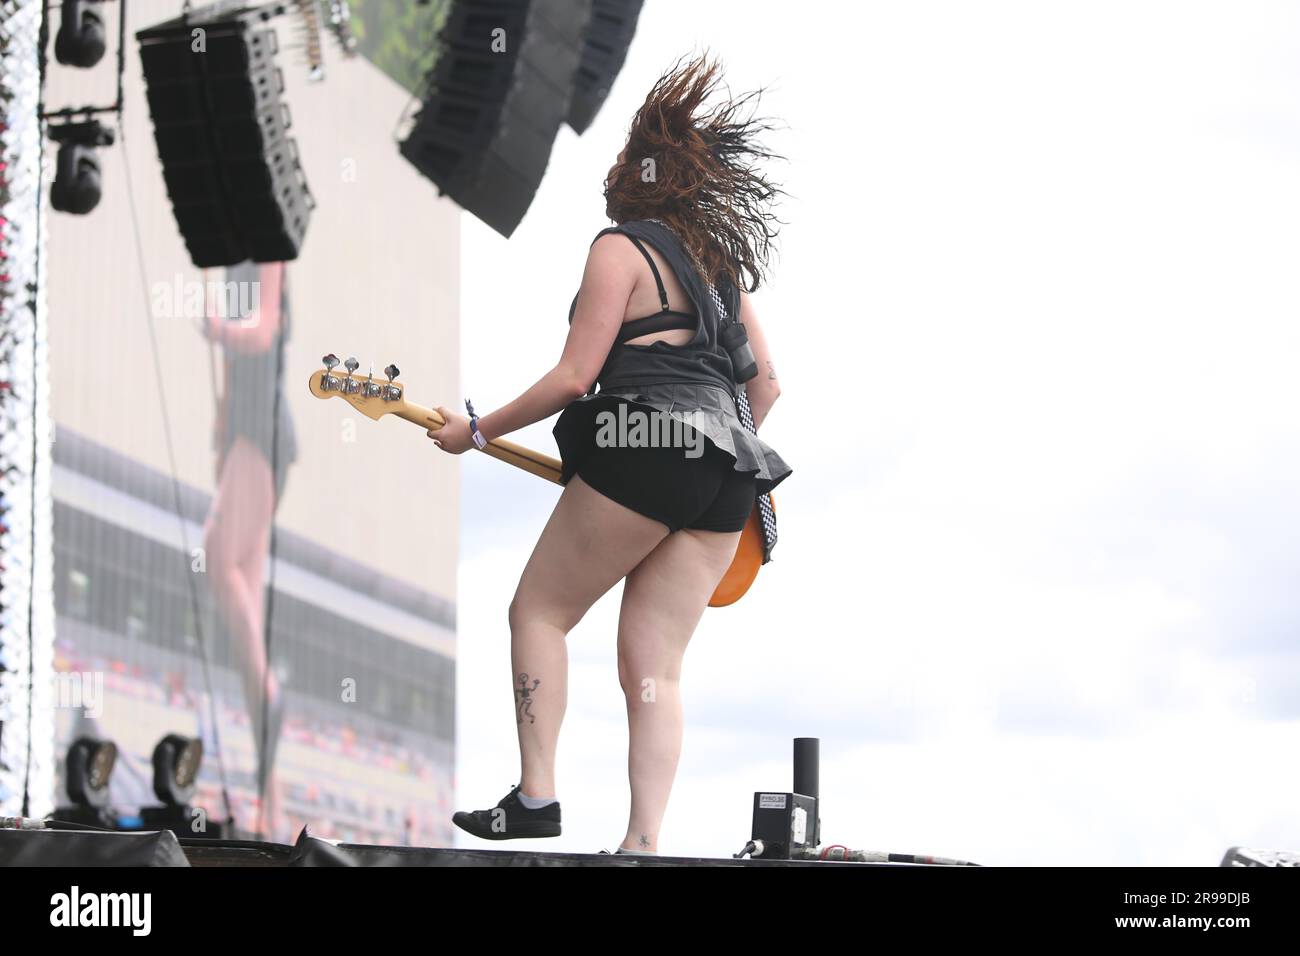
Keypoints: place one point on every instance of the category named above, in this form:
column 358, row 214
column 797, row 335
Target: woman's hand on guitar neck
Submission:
column 454, row 436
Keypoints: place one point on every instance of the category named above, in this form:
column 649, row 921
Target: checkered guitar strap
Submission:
column 765, row 512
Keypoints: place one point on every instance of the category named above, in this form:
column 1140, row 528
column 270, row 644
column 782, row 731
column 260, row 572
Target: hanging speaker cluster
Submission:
column 508, row 74
column 609, row 34
column 231, row 168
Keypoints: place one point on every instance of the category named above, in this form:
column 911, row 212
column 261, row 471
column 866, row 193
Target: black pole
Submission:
column 121, row 54
column 806, row 760
column 807, row 779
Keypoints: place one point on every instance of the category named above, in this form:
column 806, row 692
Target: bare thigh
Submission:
column 589, row 544
column 240, row 521
column 664, row 598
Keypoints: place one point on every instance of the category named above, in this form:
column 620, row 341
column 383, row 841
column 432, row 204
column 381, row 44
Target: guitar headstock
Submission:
column 371, row 398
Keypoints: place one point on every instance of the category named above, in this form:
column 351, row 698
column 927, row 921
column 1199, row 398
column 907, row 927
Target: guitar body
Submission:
column 744, row 566
column 377, row 399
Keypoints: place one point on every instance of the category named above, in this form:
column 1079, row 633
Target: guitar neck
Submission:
column 533, row 462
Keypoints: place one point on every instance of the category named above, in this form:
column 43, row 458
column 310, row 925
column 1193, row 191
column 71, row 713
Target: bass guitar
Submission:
column 375, row 399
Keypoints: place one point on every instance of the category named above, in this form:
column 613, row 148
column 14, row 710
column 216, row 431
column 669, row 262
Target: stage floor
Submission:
column 310, row 851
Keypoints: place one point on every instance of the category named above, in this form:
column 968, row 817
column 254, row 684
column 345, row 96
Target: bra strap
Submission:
column 662, row 322
column 663, row 295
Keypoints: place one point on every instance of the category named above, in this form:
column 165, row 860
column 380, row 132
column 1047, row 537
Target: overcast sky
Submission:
column 1035, row 317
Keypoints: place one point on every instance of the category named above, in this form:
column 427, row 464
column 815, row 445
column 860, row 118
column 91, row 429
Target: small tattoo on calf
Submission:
column 644, row 841
column 524, row 699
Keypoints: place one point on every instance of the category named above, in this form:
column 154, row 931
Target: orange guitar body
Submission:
column 744, row 566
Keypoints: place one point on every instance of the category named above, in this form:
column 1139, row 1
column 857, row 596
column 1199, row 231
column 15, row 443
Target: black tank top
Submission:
column 703, row 360
column 255, row 403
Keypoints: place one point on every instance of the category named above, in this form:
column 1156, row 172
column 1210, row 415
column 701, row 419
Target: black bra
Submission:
column 662, row 321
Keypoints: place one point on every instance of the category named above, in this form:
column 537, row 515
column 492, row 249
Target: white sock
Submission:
column 534, row 803
column 635, row 852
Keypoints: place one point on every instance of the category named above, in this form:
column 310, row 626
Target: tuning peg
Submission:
column 351, row 365
column 328, row 382
column 392, row 393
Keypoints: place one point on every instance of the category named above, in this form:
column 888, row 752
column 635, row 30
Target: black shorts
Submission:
column 681, row 492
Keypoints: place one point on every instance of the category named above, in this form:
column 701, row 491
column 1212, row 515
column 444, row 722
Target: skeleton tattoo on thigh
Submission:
column 524, row 699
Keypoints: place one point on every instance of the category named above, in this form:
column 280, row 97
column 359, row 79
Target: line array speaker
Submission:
column 494, row 101
column 232, row 171
column 609, row 34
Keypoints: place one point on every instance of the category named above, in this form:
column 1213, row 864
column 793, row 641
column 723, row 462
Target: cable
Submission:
column 176, row 485
column 52, row 824
column 754, row 850
column 275, row 491
column 845, row 855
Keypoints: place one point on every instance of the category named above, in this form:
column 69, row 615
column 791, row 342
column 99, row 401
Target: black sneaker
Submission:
column 510, row 820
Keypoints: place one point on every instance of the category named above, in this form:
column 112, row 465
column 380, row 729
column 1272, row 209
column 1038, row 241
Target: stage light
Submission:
column 89, row 768
column 176, row 762
column 80, row 40
column 77, row 187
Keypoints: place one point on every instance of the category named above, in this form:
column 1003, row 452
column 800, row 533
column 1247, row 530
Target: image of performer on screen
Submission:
column 255, row 445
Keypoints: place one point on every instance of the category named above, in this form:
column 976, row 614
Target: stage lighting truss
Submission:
column 80, row 42
column 27, row 758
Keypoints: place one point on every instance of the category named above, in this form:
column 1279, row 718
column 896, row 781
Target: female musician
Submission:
column 691, row 211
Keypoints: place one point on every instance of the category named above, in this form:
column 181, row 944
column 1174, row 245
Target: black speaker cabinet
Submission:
column 494, row 101
column 231, row 168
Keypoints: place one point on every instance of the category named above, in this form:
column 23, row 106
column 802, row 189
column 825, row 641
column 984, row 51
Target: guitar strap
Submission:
column 766, row 513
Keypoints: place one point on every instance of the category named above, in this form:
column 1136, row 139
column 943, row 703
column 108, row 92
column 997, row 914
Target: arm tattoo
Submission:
column 771, row 372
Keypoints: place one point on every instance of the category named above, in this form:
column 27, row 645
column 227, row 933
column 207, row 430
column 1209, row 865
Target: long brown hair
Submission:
column 695, row 171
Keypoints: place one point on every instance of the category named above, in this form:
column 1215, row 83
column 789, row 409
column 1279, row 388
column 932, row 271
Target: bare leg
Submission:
column 237, row 536
column 663, row 601
column 589, row 544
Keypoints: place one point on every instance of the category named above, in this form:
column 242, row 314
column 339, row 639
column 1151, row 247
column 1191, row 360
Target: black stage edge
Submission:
column 123, row 884
column 310, row 851
column 87, row 848
column 22, row 848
